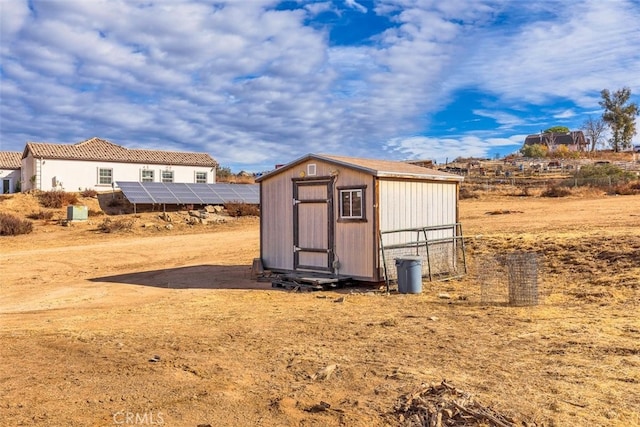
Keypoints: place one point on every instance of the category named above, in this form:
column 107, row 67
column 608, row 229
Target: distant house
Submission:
column 10, row 171
column 97, row 164
column 574, row 140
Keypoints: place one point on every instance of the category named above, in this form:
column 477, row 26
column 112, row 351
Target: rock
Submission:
column 165, row 217
column 210, row 208
column 148, row 225
column 169, row 227
column 341, row 299
column 444, row 295
column 218, row 209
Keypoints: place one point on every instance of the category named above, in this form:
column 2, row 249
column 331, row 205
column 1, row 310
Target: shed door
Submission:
column 313, row 224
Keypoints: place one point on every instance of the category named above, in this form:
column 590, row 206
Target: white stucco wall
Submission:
column 11, row 175
column 75, row 175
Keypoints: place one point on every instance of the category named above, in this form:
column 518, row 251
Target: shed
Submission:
column 335, row 215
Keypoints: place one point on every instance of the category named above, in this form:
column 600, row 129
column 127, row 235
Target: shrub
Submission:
column 11, row 225
column 40, row 215
column 89, row 193
column 92, row 212
column 535, row 150
column 56, row 199
column 556, row 191
column 465, row 193
column 113, row 226
column 241, row 209
column 626, row 189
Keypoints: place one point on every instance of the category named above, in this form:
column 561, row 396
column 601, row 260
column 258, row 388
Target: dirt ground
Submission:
column 166, row 327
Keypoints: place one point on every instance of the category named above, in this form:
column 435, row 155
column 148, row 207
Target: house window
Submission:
column 147, row 175
column 201, row 177
column 352, row 203
column 167, row 176
column 105, row 176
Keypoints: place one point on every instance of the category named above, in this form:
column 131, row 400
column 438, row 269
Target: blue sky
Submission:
column 260, row 82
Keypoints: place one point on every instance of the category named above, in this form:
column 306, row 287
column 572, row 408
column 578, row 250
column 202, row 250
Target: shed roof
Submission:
column 375, row 167
column 10, row 160
column 97, row 149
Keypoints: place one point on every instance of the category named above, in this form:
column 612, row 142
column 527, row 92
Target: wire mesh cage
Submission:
column 510, row 279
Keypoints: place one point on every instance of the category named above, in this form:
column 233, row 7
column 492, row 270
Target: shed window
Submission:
column 201, row 177
column 167, row 176
column 147, row 175
column 311, row 169
column 105, row 176
column 352, row 203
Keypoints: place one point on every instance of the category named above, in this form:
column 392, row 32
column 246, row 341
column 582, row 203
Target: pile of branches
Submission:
column 441, row 405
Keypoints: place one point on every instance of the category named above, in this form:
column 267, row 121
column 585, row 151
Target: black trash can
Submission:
column 409, row 274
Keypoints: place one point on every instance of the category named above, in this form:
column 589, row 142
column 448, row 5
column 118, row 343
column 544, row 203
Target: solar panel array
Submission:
column 175, row 193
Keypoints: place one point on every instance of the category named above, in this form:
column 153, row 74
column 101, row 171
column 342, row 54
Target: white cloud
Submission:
column 505, row 120
column 13, row 17
column 448, row 148
column 355, row 5
column 253, row 85
column 591, row 45
column 565, row 114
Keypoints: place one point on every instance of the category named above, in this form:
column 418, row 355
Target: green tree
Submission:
column 594, row 129
column 557, row 129
column 223, row 173
column 534, row 150
column 620, row 115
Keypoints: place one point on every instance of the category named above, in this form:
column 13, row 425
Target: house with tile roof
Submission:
column 97, row 164
column 346, row 210
column 10, row 162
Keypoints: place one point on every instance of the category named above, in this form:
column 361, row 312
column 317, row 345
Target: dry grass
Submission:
column 57, row 199
column 84, row 317
column 46, row 215
column 11, row 225
column 116, row 225
column 235, row 209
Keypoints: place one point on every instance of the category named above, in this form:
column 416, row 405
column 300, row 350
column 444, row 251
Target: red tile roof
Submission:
column 97, row 149
column 10, row 160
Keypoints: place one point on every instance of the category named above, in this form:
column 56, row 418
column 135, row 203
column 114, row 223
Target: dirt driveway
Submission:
column 160, row 327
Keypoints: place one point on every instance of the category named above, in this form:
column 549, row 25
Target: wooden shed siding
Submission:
column 355, row 241
column 409, row 204
column 276, row 225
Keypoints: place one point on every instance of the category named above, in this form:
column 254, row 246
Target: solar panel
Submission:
column 181, row 193
column 184, row 194
column 135, row 193
column 160, row 192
